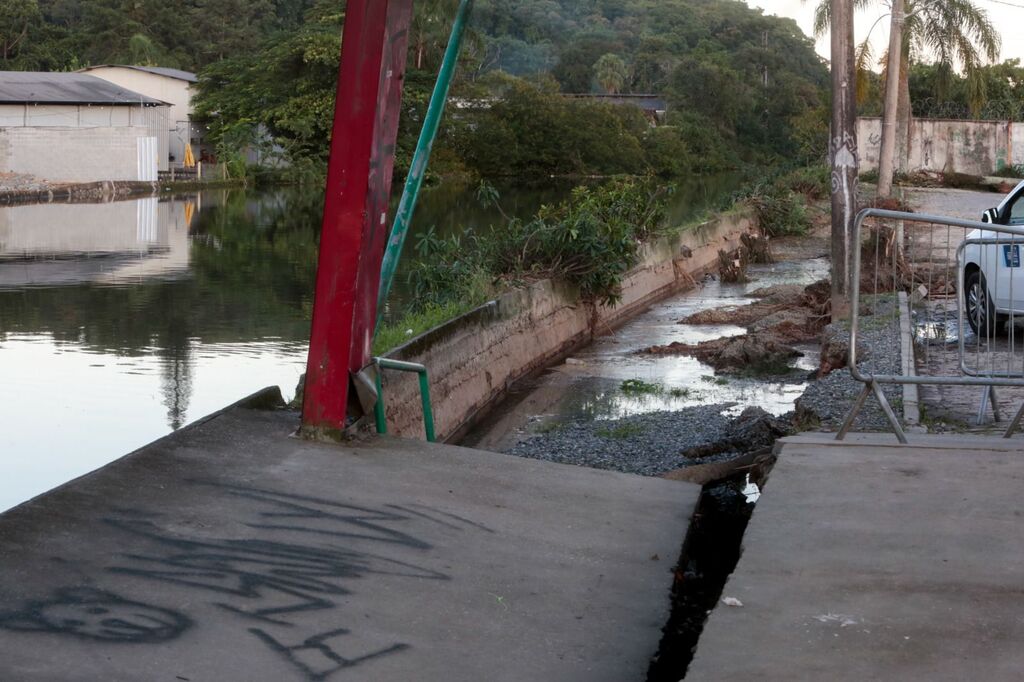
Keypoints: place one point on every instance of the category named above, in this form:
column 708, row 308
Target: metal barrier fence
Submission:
column 965, row 286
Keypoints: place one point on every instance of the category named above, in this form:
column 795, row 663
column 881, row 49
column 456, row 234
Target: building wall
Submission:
column 177, row 93
column 48, row 120
column 946, row 146
column 69, row 154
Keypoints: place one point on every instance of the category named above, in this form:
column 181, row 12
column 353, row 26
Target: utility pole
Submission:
column 355, row 231
column 894, row 62
column 843, row 154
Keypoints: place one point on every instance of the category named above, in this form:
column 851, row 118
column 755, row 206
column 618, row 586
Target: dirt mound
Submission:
column 789, row 325
column 741, row 315
column 750, row 353
column 780, row 294
column 788, row 313
column 754, row 430
column 810, row 306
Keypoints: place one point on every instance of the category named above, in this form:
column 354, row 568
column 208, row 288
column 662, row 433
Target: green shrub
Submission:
column 1011, row 171
column 814, row 182
column 780, row 211
column 590, row 241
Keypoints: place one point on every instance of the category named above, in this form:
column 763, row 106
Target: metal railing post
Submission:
column 424, row 381
column 987, row 378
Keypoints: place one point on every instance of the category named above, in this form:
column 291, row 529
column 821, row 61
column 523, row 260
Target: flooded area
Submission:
column 611, row 379
column 121, row 322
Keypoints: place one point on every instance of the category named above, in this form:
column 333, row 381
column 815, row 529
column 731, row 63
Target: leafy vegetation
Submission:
column 641, row 387
column 589, row 241
column 270, row 67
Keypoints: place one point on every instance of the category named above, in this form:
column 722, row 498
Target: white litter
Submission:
column 751, row 491
column 842, row 619
column 732, row 601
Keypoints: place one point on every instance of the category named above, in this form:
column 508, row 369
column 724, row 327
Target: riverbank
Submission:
column 18, row 189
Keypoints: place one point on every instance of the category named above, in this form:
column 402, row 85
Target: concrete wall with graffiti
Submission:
column 946, row 146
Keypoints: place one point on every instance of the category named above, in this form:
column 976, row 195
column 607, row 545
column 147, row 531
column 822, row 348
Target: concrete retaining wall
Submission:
column 945, row 146
column 474, row 359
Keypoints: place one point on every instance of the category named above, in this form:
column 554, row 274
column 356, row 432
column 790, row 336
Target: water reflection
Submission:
column 120, row 322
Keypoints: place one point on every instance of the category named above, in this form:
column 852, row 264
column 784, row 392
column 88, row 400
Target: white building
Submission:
column 167, row 85
column 72, row 127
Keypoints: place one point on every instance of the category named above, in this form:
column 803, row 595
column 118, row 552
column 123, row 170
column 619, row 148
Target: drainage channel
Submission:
column 710, row 553
column 613, row 406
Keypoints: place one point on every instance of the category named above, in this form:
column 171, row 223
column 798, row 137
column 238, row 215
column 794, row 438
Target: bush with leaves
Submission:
column 590, row 241
column 780, row 210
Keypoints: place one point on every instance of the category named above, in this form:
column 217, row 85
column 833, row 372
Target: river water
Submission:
column 120, row 322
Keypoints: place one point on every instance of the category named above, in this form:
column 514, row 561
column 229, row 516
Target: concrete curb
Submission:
column 911, row 392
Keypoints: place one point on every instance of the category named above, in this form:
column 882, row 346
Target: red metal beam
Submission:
column 354, row 233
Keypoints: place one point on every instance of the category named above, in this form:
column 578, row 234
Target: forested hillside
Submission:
column 742, row 87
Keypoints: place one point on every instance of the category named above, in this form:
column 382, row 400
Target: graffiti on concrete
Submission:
column 97, row 615
column 314, row 656
column 294, row 557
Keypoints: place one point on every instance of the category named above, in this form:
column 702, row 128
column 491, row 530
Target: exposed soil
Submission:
column 759, row 353
column 784, row 315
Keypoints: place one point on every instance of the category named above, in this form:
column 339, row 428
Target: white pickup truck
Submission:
column 993, row 276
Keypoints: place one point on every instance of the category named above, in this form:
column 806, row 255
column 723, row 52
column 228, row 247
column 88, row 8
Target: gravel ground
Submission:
column 647, row 444
column 652, row 444
column 831, row 398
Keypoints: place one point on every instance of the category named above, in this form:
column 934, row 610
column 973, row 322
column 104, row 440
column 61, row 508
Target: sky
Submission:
column 1003, row 13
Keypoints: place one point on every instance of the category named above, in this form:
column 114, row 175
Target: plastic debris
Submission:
column 751, row 491
column 842, row 619
column 732, row 601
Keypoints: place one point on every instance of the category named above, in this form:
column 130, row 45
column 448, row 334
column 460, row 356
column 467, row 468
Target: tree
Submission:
column 431, row 24
column 611, row 73
column 843, row 153
column 956, row 34
column 887, row 153
column 17, row 17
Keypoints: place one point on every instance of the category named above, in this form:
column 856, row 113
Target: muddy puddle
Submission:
column 611, row 379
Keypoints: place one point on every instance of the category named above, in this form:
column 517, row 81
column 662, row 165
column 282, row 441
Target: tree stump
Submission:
column 758, row 248
column 733, row 267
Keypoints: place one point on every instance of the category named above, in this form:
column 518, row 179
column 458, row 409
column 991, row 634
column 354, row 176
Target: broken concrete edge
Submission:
column 268, row 398
column 475, row 359
column 820, row 441
column 908, row 364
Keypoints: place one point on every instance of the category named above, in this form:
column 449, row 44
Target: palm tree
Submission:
column 611, row 73
column 957, row 34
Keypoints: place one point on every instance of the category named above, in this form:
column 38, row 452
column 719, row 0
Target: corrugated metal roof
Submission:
column 35, row 87
column 158, row 70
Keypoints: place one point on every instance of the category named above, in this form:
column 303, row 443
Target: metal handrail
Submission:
column 872, row 382
column 379, row 413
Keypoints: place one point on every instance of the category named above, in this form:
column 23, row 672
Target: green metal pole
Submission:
column 418, row 169
column 428, row 411
column 379, row 411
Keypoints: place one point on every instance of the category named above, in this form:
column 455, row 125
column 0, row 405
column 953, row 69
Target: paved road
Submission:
column 232, row 551
column 868, row 561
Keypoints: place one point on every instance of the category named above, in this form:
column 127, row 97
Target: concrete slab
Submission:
column 232, row 551
column 877, row 563
column 957, row 442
